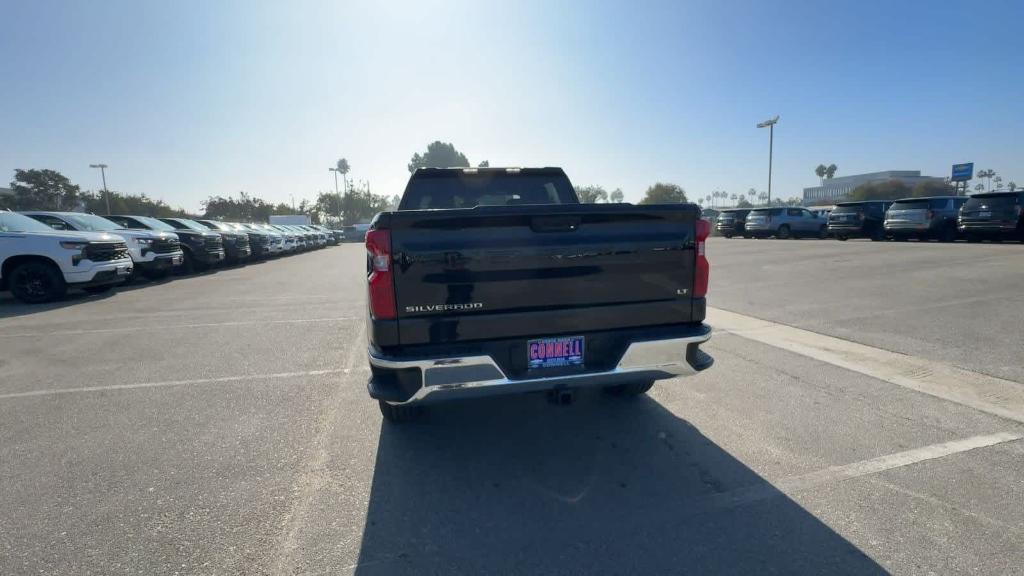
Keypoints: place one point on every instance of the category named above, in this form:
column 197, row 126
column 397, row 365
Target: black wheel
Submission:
column 877, row 235
column 948, row 234
column 727, row 235
column 37, row 282
column 823, row 232
column 188, row 263
column 783, row 232
column 398, row 412
column 630, row 389
column 98, row 289
column 842, row 237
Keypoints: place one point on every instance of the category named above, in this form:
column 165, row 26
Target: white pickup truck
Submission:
column 38, row 264
column 154, row 253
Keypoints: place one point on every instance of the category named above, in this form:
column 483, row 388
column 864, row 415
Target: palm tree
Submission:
column 763, row 196
column 343, row 168
column 831, row 171
column 979, row 187
column 1012, row 185
column 734, row 197
column 820, row 173
column 999, row 181
column 987, row 174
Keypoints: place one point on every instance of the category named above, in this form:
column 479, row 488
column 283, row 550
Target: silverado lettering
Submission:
column 444, row 307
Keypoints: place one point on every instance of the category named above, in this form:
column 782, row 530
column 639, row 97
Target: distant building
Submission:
column 837, row 188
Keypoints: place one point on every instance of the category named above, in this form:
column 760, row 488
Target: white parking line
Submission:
column 863, row 468
column 173, row 326
column 221, row 380
column 982, row 392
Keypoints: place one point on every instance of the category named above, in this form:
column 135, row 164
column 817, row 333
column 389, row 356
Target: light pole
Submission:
column 770, row 125
column 336, row 192
column 103, row 174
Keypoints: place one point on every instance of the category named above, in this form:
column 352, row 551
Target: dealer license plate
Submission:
column 554, row 352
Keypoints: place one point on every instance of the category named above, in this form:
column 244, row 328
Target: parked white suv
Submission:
column 38, row 263
column 154, row 252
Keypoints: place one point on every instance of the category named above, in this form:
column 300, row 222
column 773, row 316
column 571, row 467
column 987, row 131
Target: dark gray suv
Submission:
column 924, row 218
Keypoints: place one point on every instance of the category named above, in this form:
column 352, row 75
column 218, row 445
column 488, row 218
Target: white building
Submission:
column 837, row 188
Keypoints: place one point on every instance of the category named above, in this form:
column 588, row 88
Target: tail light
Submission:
column 700, row 278
column 379, row 275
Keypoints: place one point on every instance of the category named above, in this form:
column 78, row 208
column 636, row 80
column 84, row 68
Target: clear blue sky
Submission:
column 188, row 99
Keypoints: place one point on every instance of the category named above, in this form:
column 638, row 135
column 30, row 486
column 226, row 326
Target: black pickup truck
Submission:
column 498, row 280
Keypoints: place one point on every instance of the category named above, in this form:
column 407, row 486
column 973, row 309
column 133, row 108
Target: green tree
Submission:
column 439, row 155
column 616, row 195
column 979, row 187
column 830, row 171
column 744, row 203
column 664, row 193
column 888, row 190
column 591, row 194
column 360, row 205
column 484, row 164
column 43, row 190
column 819, row 171
column 143, row 205
column 931, row 188
column 1012, row 186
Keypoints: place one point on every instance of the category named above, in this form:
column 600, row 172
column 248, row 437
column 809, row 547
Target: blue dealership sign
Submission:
column 963, row 172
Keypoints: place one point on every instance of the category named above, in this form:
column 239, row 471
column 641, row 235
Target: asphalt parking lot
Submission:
column 864, row 416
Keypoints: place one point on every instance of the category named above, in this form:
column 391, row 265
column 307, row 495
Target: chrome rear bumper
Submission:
column 460, row 377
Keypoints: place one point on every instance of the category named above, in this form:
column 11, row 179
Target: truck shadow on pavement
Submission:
column 604, row 486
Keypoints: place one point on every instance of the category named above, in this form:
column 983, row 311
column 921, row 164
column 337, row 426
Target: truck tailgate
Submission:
column 503, row 272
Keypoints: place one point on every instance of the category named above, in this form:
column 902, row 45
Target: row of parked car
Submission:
column 42, row 254
column 993, row 216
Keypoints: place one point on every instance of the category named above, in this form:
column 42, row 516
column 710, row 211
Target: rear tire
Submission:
column 398, row 413
column 630, row 389
column 842, row 237
column 37, row 282
column 783, row 232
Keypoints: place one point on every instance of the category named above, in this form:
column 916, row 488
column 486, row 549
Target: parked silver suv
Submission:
column 785, row 223
column 924, row 218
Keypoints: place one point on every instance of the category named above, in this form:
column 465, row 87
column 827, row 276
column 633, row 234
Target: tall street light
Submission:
column 770, row 125
column 103, row 174
column 336, row 192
